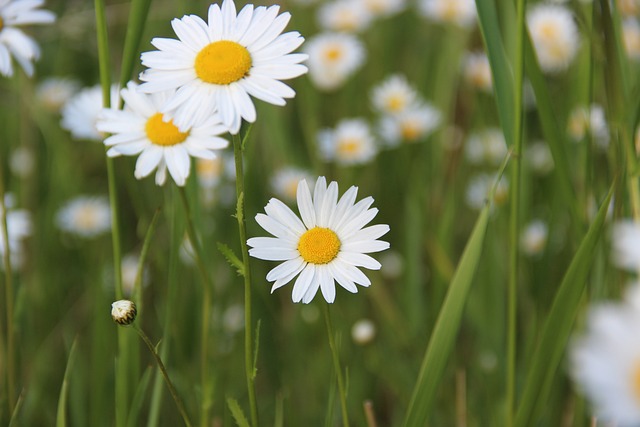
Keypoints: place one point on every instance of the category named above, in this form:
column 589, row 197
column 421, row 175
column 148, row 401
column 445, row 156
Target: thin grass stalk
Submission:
column 336, row 365
column 207, row 287
column 238, row 148
column 172, row 389
column 9, row 296
column 514, row 229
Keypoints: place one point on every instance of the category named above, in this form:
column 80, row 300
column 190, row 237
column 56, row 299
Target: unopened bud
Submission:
column 123, row 312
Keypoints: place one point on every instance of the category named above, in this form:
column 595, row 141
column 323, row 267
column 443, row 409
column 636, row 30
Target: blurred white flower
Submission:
column 554, row 34
column 534, row 237
column 284, row 182
column 631, row 38
column 394, row 95
column 80, row 113
column 392, row 264
column 233, row 319
column 479, row 188
column 477, row 71
column 625, row 241
column 348, row 16
column 384, row 8
column 333, row 58
column 411, row 125
column 350, row 143
column 130, row 273
column 22, row 162
column 459, row 12
column 209, row 171
column 85, row 216
column 363, row 331
column 19, row 227
column 487, row 147
column 539, row 158
column 592, row 120
column 53, row 92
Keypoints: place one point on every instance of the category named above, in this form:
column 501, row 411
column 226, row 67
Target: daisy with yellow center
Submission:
column 327, row 244
column 412, row 125
column 350, row 143
column 217, row 65
column 394, row 95
column 458, row 12
column 333, row 58
column 346, row 16
column 85, row 216
column 554, row 34
column 140, row 128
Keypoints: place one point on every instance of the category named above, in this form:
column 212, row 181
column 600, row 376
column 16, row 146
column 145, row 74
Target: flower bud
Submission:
column 123, row 312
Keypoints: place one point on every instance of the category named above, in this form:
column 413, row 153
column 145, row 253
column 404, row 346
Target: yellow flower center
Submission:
column 333, row 53
column 549, row 31
column 86, row 218
column 319, row 245
column 163, row 133
column 636, row 381
column 223, row 62
column 410, row 131
column 395, row 103
column 348, row 147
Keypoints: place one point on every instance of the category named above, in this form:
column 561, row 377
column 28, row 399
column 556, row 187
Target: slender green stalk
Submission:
column 206, row 311
column 172, row 390
column 336, row 365
column 9, row 296
column 238, row 147
column 514, row 229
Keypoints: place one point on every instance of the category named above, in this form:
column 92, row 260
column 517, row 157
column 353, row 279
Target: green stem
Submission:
column 515, row 215
column 9, row 295
column 336, row 366
column 238, row 146
column 170, row 386
column 206, row 310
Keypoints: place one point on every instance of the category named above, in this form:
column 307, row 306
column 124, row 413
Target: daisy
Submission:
column 85, row 216
column 326, row 246
column 625, row 242
column 631, row 38
column 459, row 12
column 592, row 120
column 15, row 13
column 605, row 360
column 54, row 92
column 80, row 113
column 333, row 58
column 394, row 95
column 22, row 162
column 19, row 228
column 555, row 36
column 216, row 65
column 350, row 143
column 487, row 146
column 539, row 157
column 363, row 331
column 479, row 189
column 534, row 237
column 285, row 182
column 142, row 129
column 384, row 8
column 347, row 16
column 411, row 125
column 477, row 71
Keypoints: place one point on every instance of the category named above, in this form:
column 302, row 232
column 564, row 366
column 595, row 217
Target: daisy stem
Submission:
column 206, row 310
column 238, row 147
column 8, row 283
column 170, row 386
column 514, row 229
column 336, row 365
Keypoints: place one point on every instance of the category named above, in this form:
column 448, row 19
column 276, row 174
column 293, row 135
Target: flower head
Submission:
column 412, row 125
column 383, row 8
column 54, row 92
column 459, row 12
column 534, row 237
column 85, row 216
column 554, row 35
column 80, row 113
column 326, row 246
column 19, row 228
column 394, row 95
column 477, row 71
column 15, row 13
column 350, row 143
column 142, row 129
column 487, row 146
column 333, row 58
column 123, row 312
column 348, row 16
column 216, row 65
column 590, row 120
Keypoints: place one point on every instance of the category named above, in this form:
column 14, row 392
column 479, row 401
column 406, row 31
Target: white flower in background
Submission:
column 479, row 189
column 534, row 237
column 233, row 319
column 85, row 216
column 304, row 2
column 333, row 58
column 19, row 227
column 412, row 125
column 394, row 95
column 487, row 146
column 80, row 113
column 53, row 92
column 384, row 8
column 142, row 129
column 554, row 34
column 592, row 120
column 348, row 16
column 629, row 7
column 209, row 171
column 216, row 65
column 631, row 38
column 459, row 12
column 15, row 13
column 477, row 71
column 363, row 331
column 22, row 162
column 539, row 157
column 605, row 360
column 284, row 182
column 130, row 273
column 350, row 143
column 326, row 246
column 625, row 242
column 392, row 265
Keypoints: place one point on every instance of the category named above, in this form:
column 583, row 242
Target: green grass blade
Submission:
column 237, row 413
column 446, row 328
column 137, row 19
column 61, row 417
column 138, row 398
column 558, row 324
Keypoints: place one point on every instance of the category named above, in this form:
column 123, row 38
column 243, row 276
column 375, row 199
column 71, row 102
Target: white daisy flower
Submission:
column 15, row 13
column 384, row 8
column 539, row 157
column 479, row 189
column 625, row 242
column 285, row 182
column 54, row 92
column 19, row 228
column 631, row 38
column 605, row 360
column 412, row 125
column 363, row 331
column 347, row 16
column 80, row 113
column 327, row 245
column 459, row 12
column 477, row 71
column 487, row 146
column 130, row 273
column 22, row 162
column 333, row 58
column 394, row 95
column 350, row 143
column 592, row 120
column 209, row 171
column 534, row 237
column 85, row 216
column 555, row 36
column 217, row 65
column 142, row 129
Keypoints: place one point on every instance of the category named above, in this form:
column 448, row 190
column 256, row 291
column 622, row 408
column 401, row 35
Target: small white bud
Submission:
column 123, row 312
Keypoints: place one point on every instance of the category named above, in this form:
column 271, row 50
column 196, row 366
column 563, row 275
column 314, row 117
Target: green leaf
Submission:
column 446, row 328
column 558, row 324
column 231, row 257
column 237, row 413
column 139, row 397
column 137, row 19
column 61, row 417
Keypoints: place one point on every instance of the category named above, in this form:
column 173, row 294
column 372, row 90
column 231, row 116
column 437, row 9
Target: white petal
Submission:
column 327, row 284
column 328, row 204
column 274, row 254
column 285, row 269
column 286, row 279
column 148, row 161
column 271, row 242
column 275, row 228
column 305, row 205
column 359, row 260
column 344, row 204
column 303, row 282
column 338, row 275
column 281, row 212
column 365, row 246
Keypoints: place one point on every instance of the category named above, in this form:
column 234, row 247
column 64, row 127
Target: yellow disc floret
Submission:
column 163, row 133
column 223, row 62
column 349, row 147
column 319, row 245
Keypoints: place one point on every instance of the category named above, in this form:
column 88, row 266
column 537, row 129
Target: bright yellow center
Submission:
column 163, row 133
column 319, row 245
column 410, row 131
column 333, row 53
column 348, row 147
column 223, row 62
column 549, row 30
column 450, row 11
column 395, row 103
